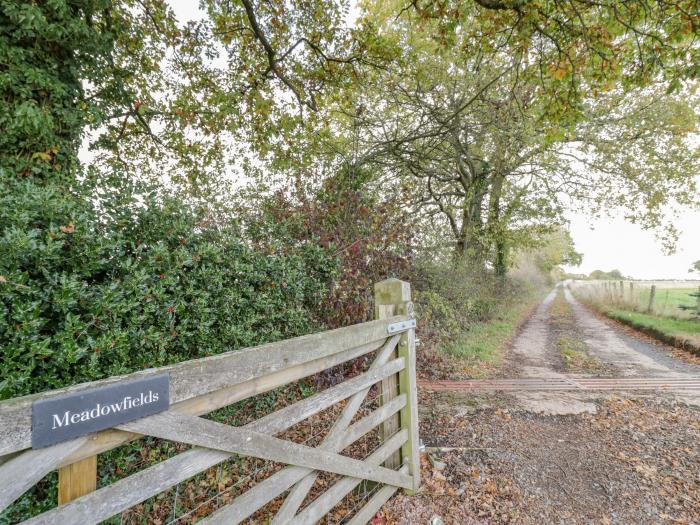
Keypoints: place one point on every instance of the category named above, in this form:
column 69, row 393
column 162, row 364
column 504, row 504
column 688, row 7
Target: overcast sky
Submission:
column 614, row 243
column 607, row 243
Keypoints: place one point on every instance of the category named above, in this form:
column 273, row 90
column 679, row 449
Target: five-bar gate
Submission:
column 201, row 386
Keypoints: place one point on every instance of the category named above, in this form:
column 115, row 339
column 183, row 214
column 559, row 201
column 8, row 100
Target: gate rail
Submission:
column 201, row 386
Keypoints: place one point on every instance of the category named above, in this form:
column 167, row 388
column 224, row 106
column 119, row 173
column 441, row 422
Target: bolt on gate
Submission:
column 199, row 387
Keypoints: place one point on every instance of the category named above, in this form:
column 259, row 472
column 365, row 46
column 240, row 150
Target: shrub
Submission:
column 474, row 291
column 451, row 297
column 94, row 284
column 372, row 239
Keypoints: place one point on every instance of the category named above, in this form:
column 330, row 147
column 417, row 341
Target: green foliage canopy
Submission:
column 695, row 267
column 494, row 141
column 48, row 51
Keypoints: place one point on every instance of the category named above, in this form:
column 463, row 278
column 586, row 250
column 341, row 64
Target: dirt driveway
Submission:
column 535, row 353
column 554, row 457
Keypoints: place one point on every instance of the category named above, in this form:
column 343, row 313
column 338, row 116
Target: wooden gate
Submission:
column 201, row 386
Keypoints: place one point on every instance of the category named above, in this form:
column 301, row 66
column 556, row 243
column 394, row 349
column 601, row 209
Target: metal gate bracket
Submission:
column 401, row 327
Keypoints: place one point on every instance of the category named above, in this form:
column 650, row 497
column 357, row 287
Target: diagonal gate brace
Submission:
column 200, row 432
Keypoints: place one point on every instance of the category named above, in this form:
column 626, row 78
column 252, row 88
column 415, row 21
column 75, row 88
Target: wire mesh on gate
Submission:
column 317, row 427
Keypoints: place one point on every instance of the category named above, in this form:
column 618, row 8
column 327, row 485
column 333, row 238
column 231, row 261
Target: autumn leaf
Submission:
column 69, row 228
column 41, row 155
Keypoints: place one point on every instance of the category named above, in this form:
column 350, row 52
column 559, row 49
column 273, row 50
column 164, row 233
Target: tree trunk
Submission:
column 501, row 256
column 494, row 226
column 470, row 246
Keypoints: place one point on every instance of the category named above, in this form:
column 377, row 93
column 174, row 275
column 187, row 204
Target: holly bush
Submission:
column 106, row 278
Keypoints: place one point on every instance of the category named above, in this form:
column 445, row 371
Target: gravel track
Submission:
column 533, row 355
column 537, row 458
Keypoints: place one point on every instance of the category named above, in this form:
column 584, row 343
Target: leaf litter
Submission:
column 636, row 461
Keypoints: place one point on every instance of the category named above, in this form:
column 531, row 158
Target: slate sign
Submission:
column 72, row 415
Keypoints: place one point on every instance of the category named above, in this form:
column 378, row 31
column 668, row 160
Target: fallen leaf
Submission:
column 646, row 470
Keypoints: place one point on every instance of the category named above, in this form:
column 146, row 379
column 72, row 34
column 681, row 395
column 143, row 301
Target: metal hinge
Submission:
column 401, row 327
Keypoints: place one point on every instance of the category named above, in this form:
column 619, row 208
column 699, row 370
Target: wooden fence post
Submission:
column 77, row 479
column 652, row 297
column 393, row 297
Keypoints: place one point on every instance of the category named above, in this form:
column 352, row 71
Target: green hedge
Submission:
column 94, row 284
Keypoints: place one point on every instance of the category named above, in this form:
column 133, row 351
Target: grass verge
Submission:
column 483, row 340
column 480, row 349
column 682, row 333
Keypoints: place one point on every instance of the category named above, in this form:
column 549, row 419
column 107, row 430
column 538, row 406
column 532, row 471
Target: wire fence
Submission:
column 674, row 299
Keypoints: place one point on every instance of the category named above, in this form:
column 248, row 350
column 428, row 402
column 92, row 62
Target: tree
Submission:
column 695, row 267
column 612, row 275
column 557, row 249
column 437, row 120
column 154, row 93
column 474, row 137
column 50, row 53
column 637, row 153
column 579, row 46
column 234, row 86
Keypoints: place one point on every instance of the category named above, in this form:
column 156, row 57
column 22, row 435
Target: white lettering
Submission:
column 98, row 410
column 60, row 421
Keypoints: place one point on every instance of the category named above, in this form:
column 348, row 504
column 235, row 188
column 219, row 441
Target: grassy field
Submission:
column 634, row 296
column 668, row 300
column 666, row 321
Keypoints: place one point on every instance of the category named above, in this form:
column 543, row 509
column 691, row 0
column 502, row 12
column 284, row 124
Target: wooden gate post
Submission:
column 77, row 479
column 652, row 297
column 393, row 297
